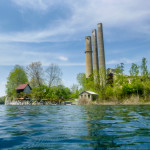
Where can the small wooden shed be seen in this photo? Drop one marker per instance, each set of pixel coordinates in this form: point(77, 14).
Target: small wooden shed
point(89, 95)
point(24, 88)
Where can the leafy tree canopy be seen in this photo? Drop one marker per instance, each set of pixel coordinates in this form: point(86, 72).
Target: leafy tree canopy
point(16, 77)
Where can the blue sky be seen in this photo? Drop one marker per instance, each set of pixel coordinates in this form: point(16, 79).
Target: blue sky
point(53, 31)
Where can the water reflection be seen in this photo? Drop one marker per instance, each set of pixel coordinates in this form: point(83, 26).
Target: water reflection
point(118, 127)
point(74, 127)
point(42, 127)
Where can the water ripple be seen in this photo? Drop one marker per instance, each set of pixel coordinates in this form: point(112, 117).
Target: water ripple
point(74, 127)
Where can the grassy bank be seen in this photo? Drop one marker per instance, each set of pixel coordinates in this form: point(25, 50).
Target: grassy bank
point(133, 100)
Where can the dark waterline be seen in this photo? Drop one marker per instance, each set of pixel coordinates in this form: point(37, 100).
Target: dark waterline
point(74, 127)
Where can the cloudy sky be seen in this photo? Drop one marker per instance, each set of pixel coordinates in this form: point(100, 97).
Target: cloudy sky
point(53, 31)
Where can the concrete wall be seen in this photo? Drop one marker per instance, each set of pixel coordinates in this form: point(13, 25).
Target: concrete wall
point(16, 102)
point(8, 101)
point(86, 96)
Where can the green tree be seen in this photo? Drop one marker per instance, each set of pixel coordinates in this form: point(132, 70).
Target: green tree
point(60, 93)
point(134, 70)
point(134, 77)
point(75, 91)
point(35, 74)
point(144, 70)
point(16, 77)
point(144, 75)
point(53, 75)
point(39, 92)
point(81, 78)
point(119, 78)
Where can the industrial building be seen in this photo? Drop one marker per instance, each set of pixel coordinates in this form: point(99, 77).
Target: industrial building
point(95, 59)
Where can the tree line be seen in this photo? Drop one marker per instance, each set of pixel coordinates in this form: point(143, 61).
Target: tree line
point(120, 86)
point(45, 83)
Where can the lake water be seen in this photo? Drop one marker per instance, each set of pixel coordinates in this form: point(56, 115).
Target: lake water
point(74, 127)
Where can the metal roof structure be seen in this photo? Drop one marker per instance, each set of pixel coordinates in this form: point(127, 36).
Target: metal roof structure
point(89, 92)
point(22, 86)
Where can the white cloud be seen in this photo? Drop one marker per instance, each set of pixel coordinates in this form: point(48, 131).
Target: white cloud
point(62, 58)
point(122, 60)
point(11, 55)
point(132, 16)
point(72, 64)
point(35, 4)
point(57, 33)
point(22, 55)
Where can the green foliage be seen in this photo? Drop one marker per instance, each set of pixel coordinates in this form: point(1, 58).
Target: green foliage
point(144, 70)
point(81, 78)
point(2, 100)
point(89, 84)
point(75, 91)
point(16, 77)
point(128, 89)
point(134, 70)
point(145, 78)
point(119, 69)
point(57, 93)
point(123, 86)
point(109, 93)
point(39, 90)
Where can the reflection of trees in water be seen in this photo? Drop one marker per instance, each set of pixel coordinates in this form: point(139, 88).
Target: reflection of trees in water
point(96, 127)
point(108, 126)
point(113, 126)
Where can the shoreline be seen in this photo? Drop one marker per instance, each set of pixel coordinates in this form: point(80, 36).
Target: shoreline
point(133, 100)
point(100, 104)
point(123, 104)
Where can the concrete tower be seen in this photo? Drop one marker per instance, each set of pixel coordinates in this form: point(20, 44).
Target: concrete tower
point(95, 50)
point(101, 47)
point(102, 67)
point(88, 53)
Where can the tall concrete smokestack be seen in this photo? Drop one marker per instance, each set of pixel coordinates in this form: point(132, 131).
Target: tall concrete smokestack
point(95, 51)
point(101, 47)
point(88, 53)
point(101, 55)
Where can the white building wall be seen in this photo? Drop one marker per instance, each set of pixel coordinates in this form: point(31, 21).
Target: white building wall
point(86, 96)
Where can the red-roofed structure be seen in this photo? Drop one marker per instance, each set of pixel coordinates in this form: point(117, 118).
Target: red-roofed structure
point(24, 88)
